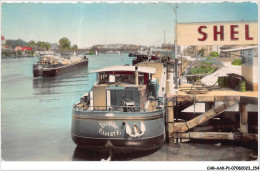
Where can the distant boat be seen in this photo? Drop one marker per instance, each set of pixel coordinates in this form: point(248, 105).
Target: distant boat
point(96, 53)
point(131, 54)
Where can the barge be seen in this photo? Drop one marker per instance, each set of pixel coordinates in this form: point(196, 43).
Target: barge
point(53, 65)
point(142, 57)
point(124, 109)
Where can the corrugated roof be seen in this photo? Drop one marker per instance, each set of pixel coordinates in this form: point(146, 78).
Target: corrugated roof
point(126, 68)
point(239, 49)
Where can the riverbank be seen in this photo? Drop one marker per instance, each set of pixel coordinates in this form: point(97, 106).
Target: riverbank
point(18, 56)
point(17, 53)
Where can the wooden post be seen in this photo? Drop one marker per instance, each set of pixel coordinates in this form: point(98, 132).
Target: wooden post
point(169, 108)
point(243, 118)
point(170, 116)
point(176, 72)
point(180, 71)
point(205, 135)
point(136, 75)
point(208, 106)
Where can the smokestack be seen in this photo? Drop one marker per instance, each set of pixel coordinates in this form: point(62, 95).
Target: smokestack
point(136, 75)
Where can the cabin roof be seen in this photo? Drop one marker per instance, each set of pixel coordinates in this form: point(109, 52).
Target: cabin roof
point(117, 68)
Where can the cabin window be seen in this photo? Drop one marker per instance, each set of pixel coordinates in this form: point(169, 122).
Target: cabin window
point(119, 95)
point(247, 57)
point(123, 77)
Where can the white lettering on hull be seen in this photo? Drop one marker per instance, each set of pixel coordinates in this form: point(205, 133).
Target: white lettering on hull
point(105, 129)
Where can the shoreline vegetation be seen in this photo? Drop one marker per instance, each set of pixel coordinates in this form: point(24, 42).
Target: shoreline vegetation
point(20, 48)
point(11, 53)
point(206, 66)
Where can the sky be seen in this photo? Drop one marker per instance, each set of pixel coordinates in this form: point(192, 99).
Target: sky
point(87, 24)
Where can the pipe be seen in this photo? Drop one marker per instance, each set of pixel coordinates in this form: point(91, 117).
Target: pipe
point(205, 135)
point(136, 75)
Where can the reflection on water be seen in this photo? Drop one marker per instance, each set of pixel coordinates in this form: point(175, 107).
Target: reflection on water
point(186, 151)
point(52, 85)
point(81, 154)
point(36, 112)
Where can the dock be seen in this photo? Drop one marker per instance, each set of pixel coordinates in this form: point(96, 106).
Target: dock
point(217, 101)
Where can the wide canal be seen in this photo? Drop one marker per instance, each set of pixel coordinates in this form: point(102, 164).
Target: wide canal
point(36, 118)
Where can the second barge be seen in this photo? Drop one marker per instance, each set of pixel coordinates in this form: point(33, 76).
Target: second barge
point(53, 65)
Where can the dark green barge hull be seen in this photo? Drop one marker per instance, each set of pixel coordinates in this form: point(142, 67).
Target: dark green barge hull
point(118, 130)
point(51, 72)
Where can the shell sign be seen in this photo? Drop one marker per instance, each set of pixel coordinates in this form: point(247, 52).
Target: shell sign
point(217, 33)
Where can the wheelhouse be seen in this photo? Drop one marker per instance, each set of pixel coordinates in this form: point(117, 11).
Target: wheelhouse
point(122, 88)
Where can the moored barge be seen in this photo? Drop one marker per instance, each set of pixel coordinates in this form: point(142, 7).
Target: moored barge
point(123, 110)
point(53, 65)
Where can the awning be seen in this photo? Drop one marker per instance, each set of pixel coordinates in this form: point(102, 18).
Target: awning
point(118, 68)
point(239, 49)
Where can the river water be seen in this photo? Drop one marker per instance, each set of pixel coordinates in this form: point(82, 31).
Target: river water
point(36, 117)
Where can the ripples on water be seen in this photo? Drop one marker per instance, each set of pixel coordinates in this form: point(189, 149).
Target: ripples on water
point(36, 116)
point(36, 112)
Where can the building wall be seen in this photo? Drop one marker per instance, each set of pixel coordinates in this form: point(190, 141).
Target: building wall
point(255, 70)
point(99, 96)
point(249, 68)
point(247, 73)
point(18, 48)
point(158, 66)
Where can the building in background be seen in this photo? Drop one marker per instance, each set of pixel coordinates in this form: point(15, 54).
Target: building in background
point(249, 66)
point(18, 48)
point(168, 47)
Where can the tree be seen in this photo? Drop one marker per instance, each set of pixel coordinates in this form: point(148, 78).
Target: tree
point(214, 54)
point(29, 52)
point(64, 43)
point(19, 53)
point(14, 43)
point(47, 45)
point(40, 45)
point(8, 52)
point(74, 47)
point(32, 44)
point(43, 45)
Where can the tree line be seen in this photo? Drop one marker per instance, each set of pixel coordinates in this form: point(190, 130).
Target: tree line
point(64, 44)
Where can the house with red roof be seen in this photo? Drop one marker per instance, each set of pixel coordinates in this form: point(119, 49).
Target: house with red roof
point(26, 48)
point(18, 48)
point(22, 48)
point(2, 40)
